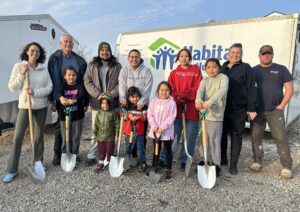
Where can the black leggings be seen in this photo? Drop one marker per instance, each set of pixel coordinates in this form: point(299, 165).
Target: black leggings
point(168, 149)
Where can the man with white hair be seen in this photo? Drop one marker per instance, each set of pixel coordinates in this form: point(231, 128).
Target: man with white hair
point(57, 63)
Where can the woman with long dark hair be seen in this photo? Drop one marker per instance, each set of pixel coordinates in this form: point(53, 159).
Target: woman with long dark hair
point(184, 81)
point(32, 56)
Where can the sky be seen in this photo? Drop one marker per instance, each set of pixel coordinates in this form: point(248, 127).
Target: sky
point(93, 21)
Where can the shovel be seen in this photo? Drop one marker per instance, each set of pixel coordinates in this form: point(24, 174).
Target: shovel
point(116, 164)
point(189, 159)
point(128, 157)
point(35, 172)
point(154, 176)
point(206, 173)
point(68, 160)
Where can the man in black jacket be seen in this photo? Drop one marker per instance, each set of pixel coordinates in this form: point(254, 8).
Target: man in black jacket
point(241, 103)
point(57, 63)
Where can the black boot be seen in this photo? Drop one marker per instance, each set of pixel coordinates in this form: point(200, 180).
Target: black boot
point(56, 160)
point(224, 162)
point(169, 175)
point(233, 168)
point(218, 170)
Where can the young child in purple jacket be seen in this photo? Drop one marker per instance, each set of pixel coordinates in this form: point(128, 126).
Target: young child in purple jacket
point(161, 117)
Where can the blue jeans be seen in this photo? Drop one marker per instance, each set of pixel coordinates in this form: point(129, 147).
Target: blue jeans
point(138, 142)
point(192, 128)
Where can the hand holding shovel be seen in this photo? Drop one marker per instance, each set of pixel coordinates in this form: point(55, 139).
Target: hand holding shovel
point(206, 173)
point(35, 172)
point(68, 160)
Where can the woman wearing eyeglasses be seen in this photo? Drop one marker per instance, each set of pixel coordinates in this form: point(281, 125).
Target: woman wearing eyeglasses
point(33, 57)
point(241, 102)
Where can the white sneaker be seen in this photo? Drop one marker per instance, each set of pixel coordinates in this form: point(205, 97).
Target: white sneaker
point(256, 167)
point(286, 173)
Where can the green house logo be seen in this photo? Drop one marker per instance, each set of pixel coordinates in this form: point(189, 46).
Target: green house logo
point(164, 53)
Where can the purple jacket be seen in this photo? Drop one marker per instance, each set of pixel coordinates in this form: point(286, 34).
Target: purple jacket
point(162, 113)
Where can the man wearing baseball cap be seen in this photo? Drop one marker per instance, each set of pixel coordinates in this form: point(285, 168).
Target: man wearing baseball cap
point(271, 78)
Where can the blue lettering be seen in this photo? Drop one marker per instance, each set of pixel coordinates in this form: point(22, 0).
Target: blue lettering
point(165, 56)
point(226, 54)
point(196, 54)
point(205, 53)
point(219, 50)
point(213, 54)
point(190, 48)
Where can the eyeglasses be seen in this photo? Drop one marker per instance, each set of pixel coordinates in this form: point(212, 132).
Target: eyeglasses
point(134, 57)
point(68, 42)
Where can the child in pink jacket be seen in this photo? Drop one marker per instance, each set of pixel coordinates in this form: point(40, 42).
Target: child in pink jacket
point(161, 117)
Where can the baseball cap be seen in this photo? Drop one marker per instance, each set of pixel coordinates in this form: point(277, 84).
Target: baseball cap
point(266, 49)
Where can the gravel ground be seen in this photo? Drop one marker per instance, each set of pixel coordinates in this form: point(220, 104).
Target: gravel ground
point(82, 190)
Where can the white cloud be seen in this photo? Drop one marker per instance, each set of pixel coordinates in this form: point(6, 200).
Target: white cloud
point(59, 8)
point(67, 9)
point(107, 27)
point(91, 21)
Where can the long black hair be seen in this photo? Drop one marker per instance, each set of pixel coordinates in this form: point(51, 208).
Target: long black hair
point(42, 57)
point(187, 51)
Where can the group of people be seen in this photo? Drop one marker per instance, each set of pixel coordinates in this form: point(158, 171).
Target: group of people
point(231, 94)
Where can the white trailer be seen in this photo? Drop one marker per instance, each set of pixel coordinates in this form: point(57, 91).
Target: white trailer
point(16, 32)
point(213, 39)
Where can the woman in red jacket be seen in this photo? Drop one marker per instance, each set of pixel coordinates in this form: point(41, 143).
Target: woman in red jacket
point(185, 80)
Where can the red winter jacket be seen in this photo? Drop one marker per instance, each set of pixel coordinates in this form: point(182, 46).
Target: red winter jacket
point(185, 83)
point(140, 123)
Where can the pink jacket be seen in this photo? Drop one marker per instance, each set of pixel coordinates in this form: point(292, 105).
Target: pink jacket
point(162, 113)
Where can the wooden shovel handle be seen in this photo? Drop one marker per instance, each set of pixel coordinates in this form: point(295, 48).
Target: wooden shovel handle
point(67, 130)
point(156, 148)
point(121, 128)
point(132, 132)
point(184, 126)
point(204, 137)
point(27, 80)
point(131, 137)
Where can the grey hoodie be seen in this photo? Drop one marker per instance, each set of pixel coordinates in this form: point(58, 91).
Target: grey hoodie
point(141, 78)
